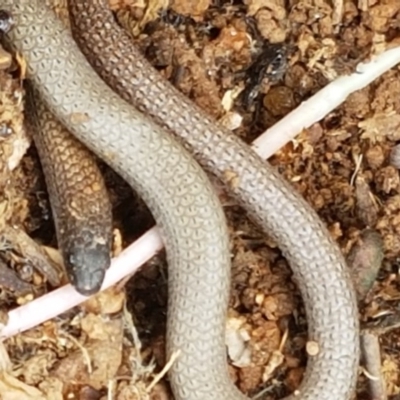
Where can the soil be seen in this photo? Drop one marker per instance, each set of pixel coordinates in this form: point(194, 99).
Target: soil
point(257, 59)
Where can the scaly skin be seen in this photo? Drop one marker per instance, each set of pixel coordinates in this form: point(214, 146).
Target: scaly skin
point(198, 285)
point(173, 185)
point(78, 196)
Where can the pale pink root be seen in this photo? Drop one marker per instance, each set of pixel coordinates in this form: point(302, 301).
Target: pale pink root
point(60, 300)
point(322, 103)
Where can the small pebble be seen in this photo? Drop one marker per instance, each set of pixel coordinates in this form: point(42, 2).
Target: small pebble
point(279, 100)
point(312, 348)
point(375, 157)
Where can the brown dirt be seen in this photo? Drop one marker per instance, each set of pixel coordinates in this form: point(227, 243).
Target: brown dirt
point(342, 166)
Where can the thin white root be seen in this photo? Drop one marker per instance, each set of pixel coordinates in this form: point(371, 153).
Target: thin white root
point(163, 372)
point(60, 300)
point(318, 106)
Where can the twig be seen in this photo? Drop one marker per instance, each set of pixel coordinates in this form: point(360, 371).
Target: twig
point(358, 161)
point(337, 11)
point(386, 323)
point(22, 243)
point(372, 361)
point(163, 372)
point(10, 280)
